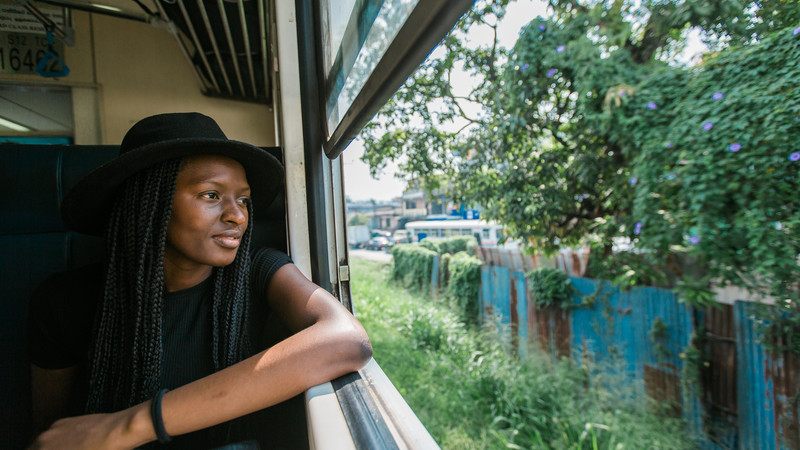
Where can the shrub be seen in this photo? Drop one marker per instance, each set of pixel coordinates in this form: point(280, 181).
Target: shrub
point(412, 266)
point(550, 287)
point(464, 283)
point(430, 244)
point(455, 244)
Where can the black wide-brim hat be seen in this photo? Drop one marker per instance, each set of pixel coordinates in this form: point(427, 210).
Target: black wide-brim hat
point(156, 139)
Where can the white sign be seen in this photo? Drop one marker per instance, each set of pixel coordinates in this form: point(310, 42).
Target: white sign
point(14, 18)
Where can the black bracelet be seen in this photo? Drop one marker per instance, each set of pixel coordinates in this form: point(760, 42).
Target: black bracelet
point(158, 421)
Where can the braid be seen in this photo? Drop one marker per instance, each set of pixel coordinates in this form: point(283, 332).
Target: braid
point(127, 352)
point(231, 305)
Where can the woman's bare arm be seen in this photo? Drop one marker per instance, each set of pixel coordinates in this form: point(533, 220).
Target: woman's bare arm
point(330, 342)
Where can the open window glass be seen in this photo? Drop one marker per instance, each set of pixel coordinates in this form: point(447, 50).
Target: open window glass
point(367, 50)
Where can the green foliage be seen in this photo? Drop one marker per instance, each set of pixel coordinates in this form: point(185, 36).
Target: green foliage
point(591, 132)
point(460, 272)
point(470, 394)
point(628, 269)
point(464, 283)
point(358, 219)
point(695, 361)
point(412, 265)
point(455, 244)
point(696, 293)
point(431, 244)
point(451, 245)
point(725, 195)
point(551, 287)
point(658, 334)
point(780, 326)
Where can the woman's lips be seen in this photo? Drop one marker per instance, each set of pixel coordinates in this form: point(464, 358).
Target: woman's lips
point(228, 240)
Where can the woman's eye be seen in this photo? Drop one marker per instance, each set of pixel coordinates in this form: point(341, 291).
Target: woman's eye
point(210, 195)
point(244, 200)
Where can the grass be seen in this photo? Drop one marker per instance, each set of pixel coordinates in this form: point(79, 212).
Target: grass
point(471, 394)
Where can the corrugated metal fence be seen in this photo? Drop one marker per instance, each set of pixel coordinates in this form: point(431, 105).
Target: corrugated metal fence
point(745, 398)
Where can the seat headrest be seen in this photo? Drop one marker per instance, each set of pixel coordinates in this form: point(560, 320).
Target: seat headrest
point(34, 179)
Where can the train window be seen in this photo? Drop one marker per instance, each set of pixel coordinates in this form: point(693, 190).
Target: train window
point(367, 50)
point(355, 35)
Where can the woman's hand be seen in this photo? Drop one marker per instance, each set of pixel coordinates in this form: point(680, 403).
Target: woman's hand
point(125, 429)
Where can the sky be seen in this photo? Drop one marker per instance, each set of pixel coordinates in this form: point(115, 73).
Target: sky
point(359, 185)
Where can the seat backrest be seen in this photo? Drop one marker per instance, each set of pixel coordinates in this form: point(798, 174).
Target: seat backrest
point(35, 244)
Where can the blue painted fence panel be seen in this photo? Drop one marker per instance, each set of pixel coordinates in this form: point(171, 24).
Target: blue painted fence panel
point(518, 278)
point(756, 405)
point(603, 331)
point(618, 329)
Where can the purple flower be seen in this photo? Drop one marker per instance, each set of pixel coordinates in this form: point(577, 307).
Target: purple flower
point(670, 176)
point(623, 92)
point(694, 239)
point(551, 72)
point(560, 48)
point(735, 147)
point(524, 66)
point(633, 181)
point(638, 228)
point(718, 96)
point(542, 27)
point(708, 125)
point(669, 144)
point(794, 156)
point(796, 31)
point(652, 105)
point(778, 226)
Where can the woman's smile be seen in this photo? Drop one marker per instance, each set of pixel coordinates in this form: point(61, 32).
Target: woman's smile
point(229, 239)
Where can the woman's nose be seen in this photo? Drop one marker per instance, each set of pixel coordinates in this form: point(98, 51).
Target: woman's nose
point(234, 212)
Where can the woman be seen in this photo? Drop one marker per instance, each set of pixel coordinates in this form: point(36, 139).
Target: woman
point(178, 301)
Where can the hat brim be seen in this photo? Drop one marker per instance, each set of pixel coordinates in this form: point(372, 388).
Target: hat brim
point(87, 206)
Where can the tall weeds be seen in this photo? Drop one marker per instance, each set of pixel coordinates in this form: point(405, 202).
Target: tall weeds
point(471, 394)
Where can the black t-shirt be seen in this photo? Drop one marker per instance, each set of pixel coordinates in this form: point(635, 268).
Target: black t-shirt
point(62, 312)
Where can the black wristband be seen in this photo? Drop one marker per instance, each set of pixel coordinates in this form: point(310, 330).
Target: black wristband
point(158, 421)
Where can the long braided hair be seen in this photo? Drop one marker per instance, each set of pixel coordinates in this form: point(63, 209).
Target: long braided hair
point(126, 357)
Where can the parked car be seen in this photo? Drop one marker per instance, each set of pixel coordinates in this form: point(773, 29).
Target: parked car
point(379, 243)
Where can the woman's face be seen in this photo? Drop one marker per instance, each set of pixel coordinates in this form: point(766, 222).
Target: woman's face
point(209, 214)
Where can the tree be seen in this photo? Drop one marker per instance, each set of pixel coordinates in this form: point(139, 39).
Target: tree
point(588, 132)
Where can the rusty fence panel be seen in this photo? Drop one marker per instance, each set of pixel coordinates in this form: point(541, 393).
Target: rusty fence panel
point(769, 391)
point(745, 397)
point(573, 262)
point(495, 300)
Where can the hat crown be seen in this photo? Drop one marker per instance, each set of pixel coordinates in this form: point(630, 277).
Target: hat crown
point(170, 127)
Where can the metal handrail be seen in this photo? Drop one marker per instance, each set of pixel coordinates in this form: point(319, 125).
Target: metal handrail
point(196, 42)
point(225, 25)
point(214, 46)
point(246, 38)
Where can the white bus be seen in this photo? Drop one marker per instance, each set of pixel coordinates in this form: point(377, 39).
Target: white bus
point(487, 233)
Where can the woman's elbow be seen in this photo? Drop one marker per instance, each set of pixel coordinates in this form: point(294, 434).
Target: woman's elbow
point(364, 351)
point(356, 350)
point(360, 349)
